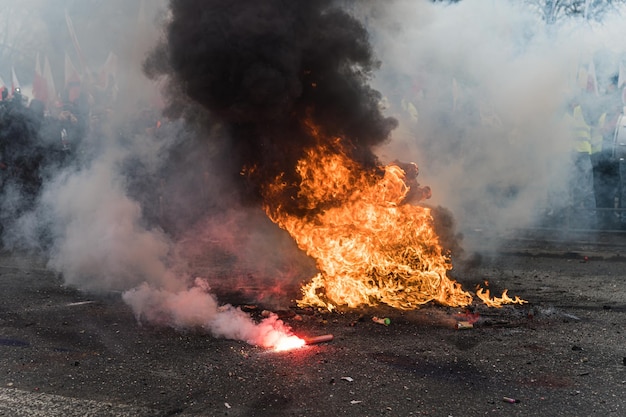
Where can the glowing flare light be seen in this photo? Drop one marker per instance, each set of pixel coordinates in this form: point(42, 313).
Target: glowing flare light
point(288, 342)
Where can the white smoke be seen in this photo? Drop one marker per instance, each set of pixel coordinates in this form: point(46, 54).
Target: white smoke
point(91, 218)
point(196, 307)
point(480, 87)
point(101, 243)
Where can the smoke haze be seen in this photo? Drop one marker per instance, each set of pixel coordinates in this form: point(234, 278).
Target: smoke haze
point(121, 215)
point(480, 89)
point(473, 92)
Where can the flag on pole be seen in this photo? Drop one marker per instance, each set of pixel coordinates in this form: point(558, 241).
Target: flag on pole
point(592, 79)
point(79, 52)
point(40, 90)
point(49, 79)
point(15, 83)
point(108, 72)
point(71, 73)
point(3, 87)
point(72, 80)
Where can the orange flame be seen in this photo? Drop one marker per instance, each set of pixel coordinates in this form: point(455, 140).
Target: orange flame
point(498, 301)
point(369, 244)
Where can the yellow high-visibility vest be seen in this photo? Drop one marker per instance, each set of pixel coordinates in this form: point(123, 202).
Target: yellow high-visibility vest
point(580, 130)
point(596, 135)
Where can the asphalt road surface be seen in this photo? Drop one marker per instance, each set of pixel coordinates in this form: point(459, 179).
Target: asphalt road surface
point(67, 353)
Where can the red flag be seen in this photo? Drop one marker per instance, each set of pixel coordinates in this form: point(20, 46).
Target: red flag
point(592, 80)
point(108, 72)
point(72, 80)
point(40, 90)
point(72, 75)
point(49, 79)
point(107, 78)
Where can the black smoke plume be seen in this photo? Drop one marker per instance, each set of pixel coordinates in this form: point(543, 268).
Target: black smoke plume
point(260, 69)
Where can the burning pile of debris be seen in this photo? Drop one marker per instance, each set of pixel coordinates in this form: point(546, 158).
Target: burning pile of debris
point(288, 84)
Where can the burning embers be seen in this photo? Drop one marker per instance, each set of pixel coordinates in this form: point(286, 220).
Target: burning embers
point(370, 244)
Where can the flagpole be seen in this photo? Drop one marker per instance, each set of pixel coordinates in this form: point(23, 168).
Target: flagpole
point(79, 52)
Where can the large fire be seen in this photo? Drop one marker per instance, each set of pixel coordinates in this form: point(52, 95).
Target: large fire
point(375, 247)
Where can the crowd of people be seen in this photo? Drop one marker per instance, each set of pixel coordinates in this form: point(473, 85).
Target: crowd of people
point(39, 140)
point(598, 178)
point(32, 144)
point(588, 130)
